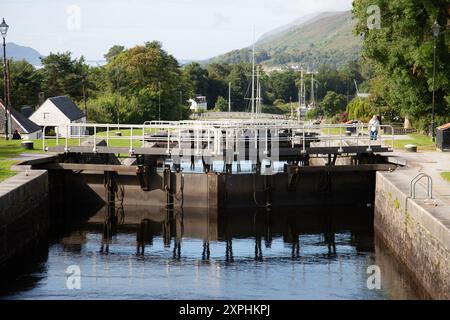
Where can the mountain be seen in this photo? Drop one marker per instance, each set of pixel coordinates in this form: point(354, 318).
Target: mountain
point(292, 25)
point(18, 52)
point(311, 41)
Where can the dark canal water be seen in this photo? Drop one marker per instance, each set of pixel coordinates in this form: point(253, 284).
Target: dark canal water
point(306, 253)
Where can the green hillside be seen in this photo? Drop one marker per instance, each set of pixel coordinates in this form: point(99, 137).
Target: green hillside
point(326, 39)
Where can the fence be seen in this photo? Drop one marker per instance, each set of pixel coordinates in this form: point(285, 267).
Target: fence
point(213, 136)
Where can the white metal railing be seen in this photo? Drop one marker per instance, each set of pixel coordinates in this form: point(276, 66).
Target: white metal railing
point(413, 183)
point(212, 135)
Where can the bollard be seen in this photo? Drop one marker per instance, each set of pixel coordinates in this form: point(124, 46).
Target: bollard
point(411, 148)
point(29, 145)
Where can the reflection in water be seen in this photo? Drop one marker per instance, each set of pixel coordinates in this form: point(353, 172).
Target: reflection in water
point(261, 226)
point(115, 212)
point(232, 254)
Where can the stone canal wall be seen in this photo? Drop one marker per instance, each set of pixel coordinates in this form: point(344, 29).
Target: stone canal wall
point(24, 212)
point(418, 233)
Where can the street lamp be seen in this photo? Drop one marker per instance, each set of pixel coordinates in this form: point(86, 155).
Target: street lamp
point(435, 28)
point(3, 31)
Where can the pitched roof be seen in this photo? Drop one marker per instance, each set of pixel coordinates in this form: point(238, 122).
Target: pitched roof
point(66, 106)
point(27, 125)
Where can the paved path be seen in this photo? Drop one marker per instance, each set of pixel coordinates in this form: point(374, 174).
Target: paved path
point(433, 164)
point(27, 157)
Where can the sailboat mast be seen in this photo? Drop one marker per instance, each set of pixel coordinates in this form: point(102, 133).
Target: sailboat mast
point(302, 85)
point(258, 93)
point(253, 73)
point(260, 96)
point(229, 96)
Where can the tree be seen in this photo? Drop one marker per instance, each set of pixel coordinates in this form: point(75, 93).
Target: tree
point(333, 104)
point(360, 109)
point(198, 76)
point(401, 51)
point(25, 83)
point(113, 52)
point(240, 86)
point(221, 104)
point(283, 85)
point(62, 75)
point(114, 108)
point(151, 76)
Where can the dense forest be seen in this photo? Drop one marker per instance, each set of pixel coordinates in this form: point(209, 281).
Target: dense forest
point(395, 67)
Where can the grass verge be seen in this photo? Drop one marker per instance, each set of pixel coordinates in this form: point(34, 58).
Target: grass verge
point(446, 176)
point(422, 142)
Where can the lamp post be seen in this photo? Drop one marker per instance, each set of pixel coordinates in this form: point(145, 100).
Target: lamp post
point(3, 31)
point(435, 28)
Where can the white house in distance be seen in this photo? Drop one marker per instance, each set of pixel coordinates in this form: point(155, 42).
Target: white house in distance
point(198, 103)
point(28, 129)
point(57, 113)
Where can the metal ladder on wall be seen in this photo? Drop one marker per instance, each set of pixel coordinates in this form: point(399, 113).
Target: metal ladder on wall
point(413, 183)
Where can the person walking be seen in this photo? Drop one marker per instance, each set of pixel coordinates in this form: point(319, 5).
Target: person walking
point(374, 125)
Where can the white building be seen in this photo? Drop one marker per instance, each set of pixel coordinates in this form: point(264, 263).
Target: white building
point(198, 103)
point(28, 129)
point(58, 112)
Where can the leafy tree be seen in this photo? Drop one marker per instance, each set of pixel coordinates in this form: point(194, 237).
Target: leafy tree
point(114, 108)
point(313, 113)
point(62, 75)
point(360, 109)
point(25, 83)
point(283, 86)
point(333, 104)
point(221, 104)
point(402, 55)
point(198, 76)
point(240, 86)
point(153, 77)
point(113, 52)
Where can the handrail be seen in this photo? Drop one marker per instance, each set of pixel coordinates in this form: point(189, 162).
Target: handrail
point(210, 133)
point(413, 183)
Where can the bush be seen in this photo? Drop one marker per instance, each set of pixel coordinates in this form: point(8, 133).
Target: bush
point(271, 109)
point(313, 113)
point(360, 109)
point(278, 102)
point(113, 107)
point(333, 104)
point(221, 104)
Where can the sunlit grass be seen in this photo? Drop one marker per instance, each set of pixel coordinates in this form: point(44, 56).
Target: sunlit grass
point(8, 150)
point(5, 169)
point(446, 176)
point(422, 142)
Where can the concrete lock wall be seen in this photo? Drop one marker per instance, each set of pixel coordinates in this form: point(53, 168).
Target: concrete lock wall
point(24, 212)
point(306, 189)
point(188, 190)
point(412, 232)
point(200, 190)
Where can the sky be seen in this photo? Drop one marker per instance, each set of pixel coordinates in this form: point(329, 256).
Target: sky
point(188, 29)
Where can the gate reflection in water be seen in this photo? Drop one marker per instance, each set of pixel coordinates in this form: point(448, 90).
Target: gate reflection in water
point(154, 253)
